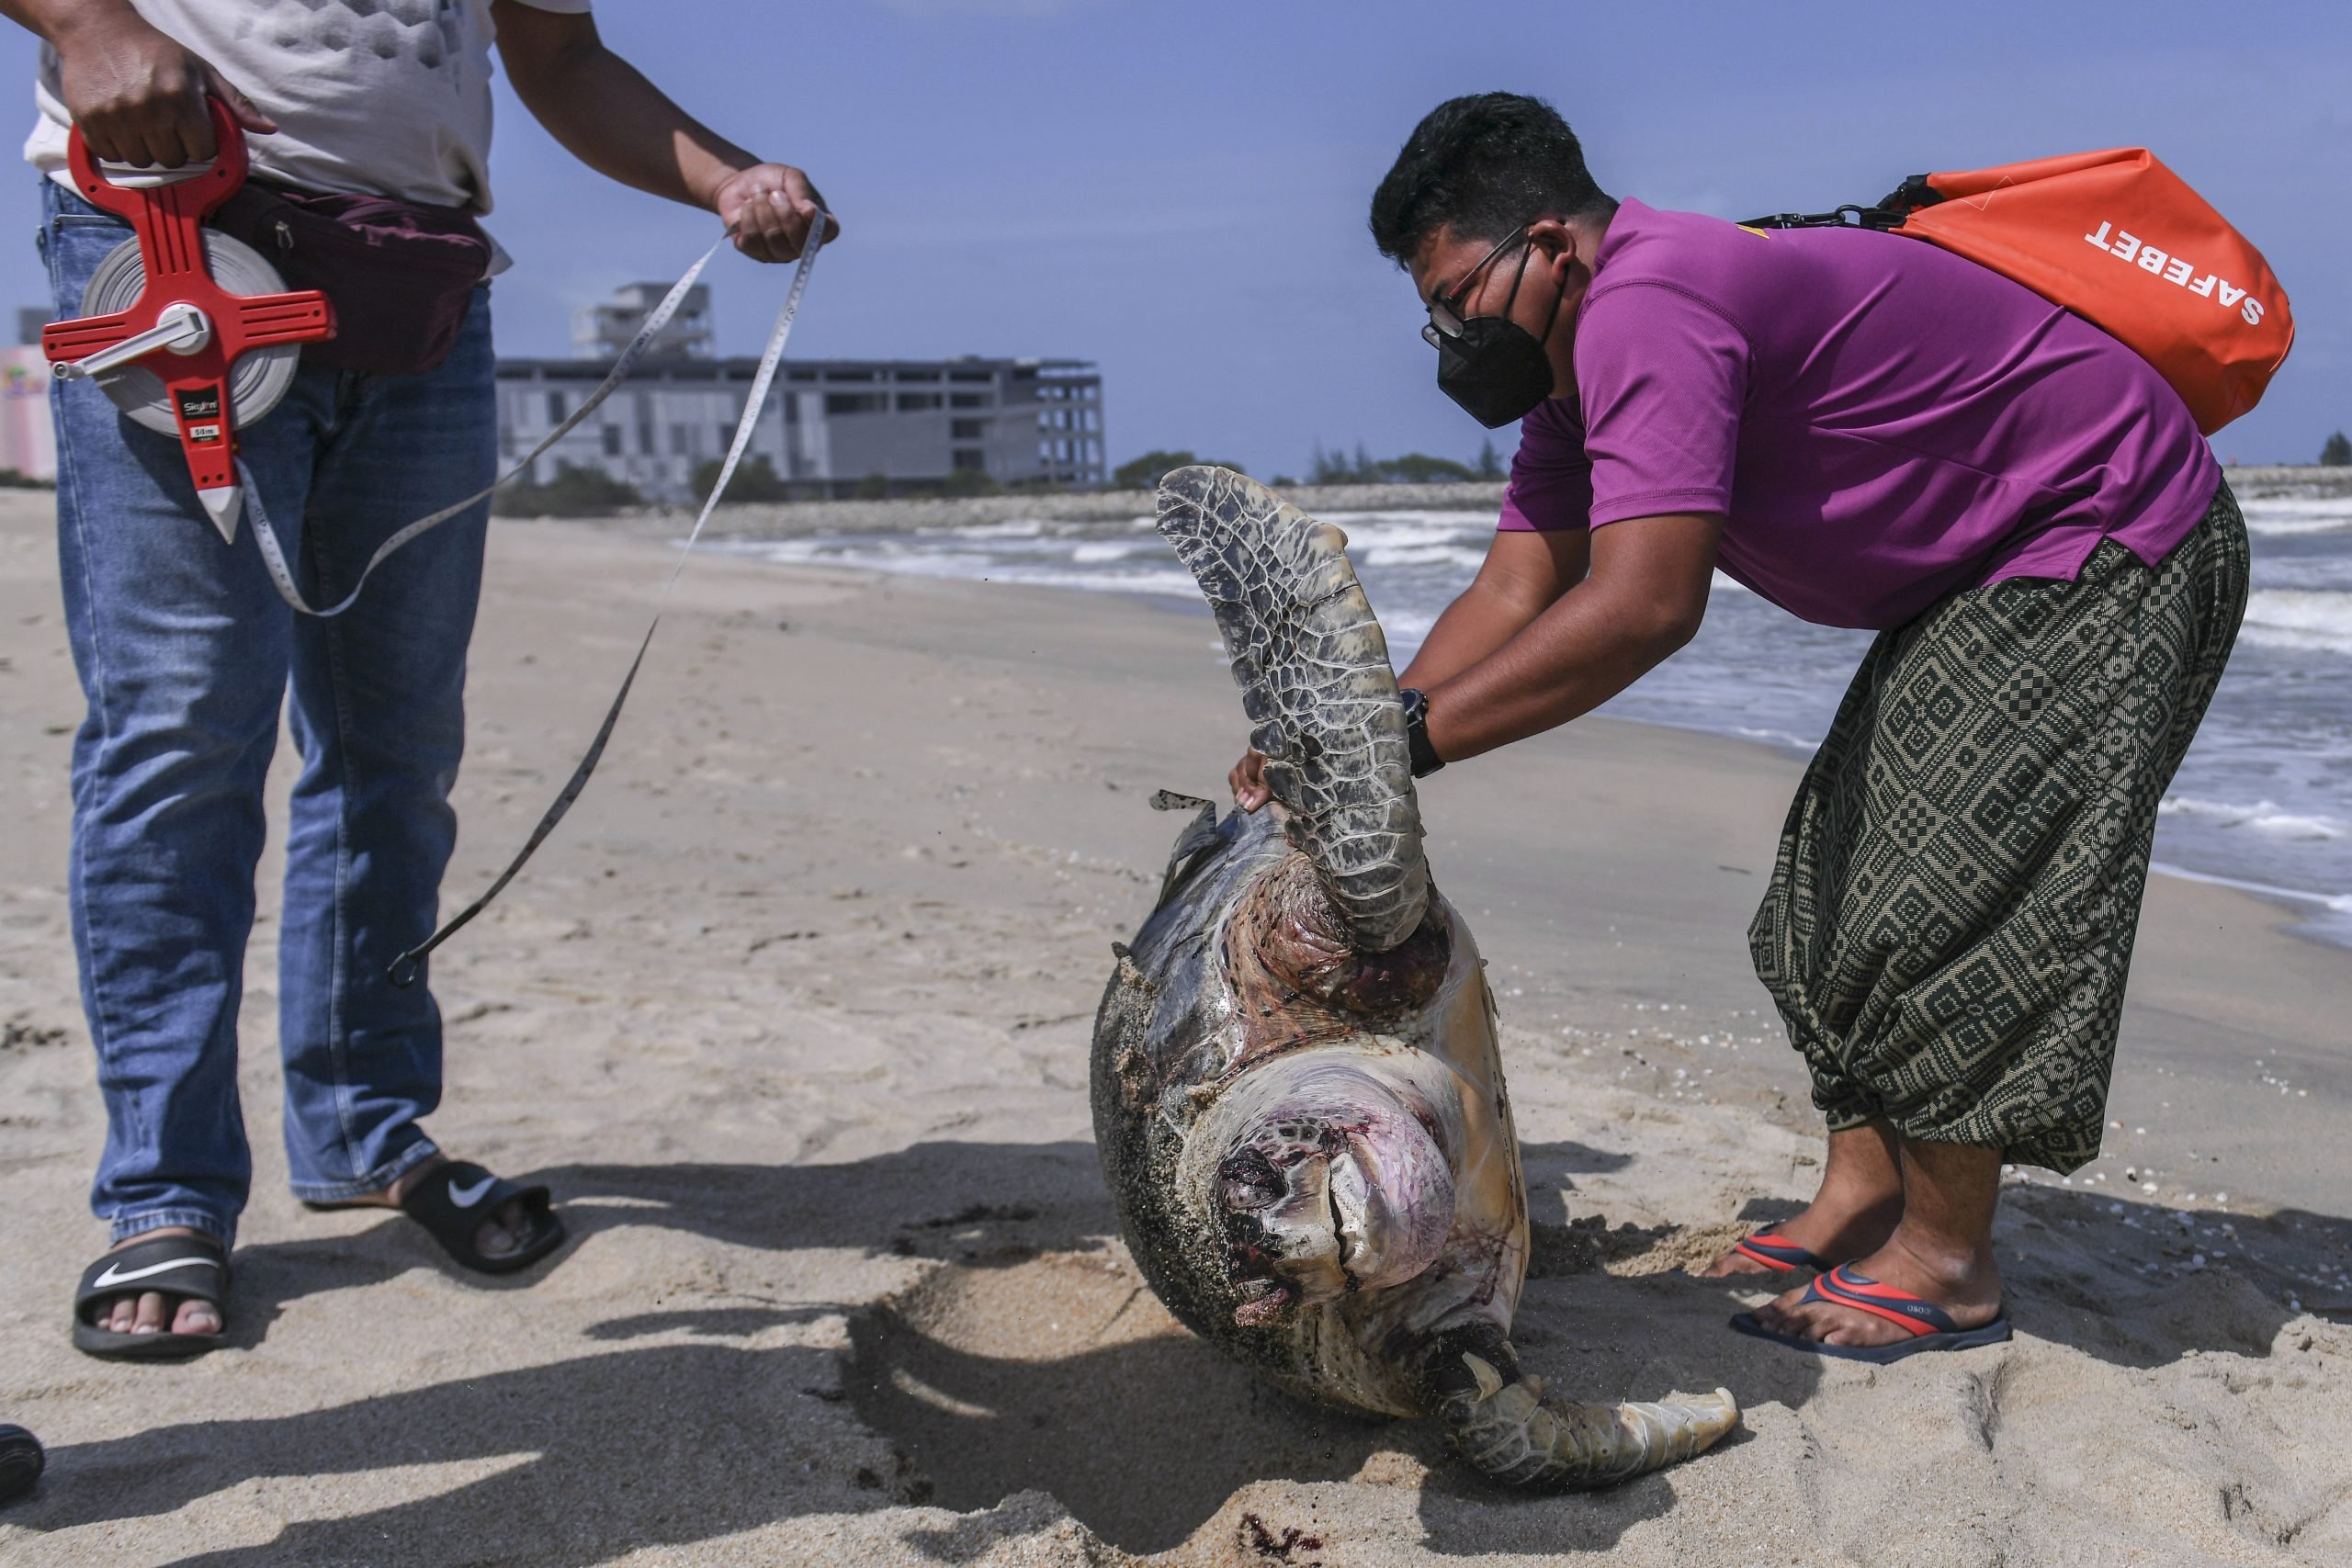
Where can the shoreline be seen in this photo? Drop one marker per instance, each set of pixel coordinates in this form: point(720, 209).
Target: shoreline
point(2320, 918)
point(791, 520)
point(798, 519)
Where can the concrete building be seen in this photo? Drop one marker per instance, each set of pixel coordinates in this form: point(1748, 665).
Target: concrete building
point(832, 428)
point(28, 440)
point(601, 332)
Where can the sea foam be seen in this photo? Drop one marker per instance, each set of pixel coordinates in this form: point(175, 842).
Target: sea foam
point(2263, 816)
point(2299, 617)
point(2298, 515)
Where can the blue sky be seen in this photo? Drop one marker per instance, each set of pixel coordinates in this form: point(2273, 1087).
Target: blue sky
point(1178, 191)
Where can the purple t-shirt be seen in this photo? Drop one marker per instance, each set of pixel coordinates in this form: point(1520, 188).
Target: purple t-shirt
point(1880, 423)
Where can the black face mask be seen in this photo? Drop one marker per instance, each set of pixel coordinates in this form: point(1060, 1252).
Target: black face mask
point(1493, 368)
point(1496, 370)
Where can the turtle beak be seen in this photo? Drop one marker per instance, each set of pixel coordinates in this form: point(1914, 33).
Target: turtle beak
point(1372, 1213)
point(1353, 1205)
point(1394, 1201)
point(1311, 1204)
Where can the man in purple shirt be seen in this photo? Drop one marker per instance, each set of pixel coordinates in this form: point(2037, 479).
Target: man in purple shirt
point(1867, 432)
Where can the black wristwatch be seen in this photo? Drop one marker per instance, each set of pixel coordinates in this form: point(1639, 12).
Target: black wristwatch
point(1417, 733)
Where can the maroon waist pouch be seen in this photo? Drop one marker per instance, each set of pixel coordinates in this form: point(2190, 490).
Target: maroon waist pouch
point(401, 274)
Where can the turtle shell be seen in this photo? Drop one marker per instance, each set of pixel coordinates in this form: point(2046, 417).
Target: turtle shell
point(1200, 1015)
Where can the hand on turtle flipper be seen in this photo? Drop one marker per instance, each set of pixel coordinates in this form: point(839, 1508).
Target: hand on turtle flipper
point(1248, 780)
point(153, 1312)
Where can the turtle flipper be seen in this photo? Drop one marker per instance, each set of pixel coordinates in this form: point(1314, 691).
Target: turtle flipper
point(1316, 682)
point(1514, 1433)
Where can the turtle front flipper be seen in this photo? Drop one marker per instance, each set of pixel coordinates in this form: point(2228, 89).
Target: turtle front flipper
point(1512, 1430)
point(1316, 682)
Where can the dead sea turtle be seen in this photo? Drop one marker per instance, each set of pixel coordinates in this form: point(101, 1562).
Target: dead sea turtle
point(1296, 1091)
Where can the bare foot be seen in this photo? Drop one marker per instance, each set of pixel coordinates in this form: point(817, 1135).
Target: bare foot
point(502, 1231)
point(153, 1312)
point(1859, 1204)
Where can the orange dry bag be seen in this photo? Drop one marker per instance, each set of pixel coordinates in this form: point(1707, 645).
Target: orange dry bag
point(2121, 240)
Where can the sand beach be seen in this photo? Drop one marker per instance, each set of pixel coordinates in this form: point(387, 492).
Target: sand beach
point(793, 1017)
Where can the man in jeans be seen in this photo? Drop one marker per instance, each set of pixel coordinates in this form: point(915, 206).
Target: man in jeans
point(186, 653)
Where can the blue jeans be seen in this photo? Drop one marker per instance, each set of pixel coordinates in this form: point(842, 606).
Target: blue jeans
point(186, 655)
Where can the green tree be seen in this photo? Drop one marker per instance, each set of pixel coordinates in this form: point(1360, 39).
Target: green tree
point(755, 480)
point(1330, 468)
point(873, 486)
point(1146, 471)
point(970, 481)
point(2337, 453)
point(1420, 469)
point(573, 493)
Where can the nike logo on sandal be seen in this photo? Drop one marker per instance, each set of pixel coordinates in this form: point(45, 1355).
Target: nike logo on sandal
point(118, 1275)
point(466, 1197)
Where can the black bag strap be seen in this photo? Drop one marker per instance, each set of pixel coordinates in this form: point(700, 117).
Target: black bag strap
point(1887, 212)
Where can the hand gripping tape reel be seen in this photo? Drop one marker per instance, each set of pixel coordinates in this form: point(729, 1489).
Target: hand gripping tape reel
point(189, 331)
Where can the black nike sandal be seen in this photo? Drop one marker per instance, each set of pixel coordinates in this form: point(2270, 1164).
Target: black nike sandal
point(20, 1463)
point(188, 1267)
point(453, 1200)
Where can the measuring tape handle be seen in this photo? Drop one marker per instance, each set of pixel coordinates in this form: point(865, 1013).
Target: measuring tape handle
point(210, 187)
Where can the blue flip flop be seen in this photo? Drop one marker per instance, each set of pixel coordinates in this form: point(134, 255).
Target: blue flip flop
point(1779, 1254)
point(1930, 1326)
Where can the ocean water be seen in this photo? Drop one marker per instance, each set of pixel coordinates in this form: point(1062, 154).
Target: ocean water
point(2262, 802)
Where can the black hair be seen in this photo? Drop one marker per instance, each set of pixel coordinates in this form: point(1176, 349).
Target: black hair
point(1483, 165)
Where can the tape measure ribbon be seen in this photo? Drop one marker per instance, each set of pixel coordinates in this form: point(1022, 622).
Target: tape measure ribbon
point(407, 968)
point(274, 556)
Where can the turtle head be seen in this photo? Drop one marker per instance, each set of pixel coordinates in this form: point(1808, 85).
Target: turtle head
point(1335, 1187)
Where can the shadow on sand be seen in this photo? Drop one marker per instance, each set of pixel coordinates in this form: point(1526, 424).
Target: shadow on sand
point(1033, 1360)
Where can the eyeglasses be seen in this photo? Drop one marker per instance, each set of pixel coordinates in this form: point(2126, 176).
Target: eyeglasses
point(1445, 310)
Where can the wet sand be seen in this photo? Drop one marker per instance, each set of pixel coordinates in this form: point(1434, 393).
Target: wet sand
point(793, 1016)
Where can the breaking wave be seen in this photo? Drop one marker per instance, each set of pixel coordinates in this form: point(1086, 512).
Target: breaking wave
point(1152, 574)
point(2263, 816)
point(2298, 515)
point(2299, 617)
point(2263, 801)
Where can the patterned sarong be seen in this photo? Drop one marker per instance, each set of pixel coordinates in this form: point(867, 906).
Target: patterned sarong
point(1951, 917)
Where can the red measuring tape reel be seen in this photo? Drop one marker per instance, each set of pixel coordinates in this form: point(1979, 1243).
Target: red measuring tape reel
point(189, 331)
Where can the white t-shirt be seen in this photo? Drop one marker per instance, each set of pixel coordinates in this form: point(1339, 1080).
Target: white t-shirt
point(375, 97)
